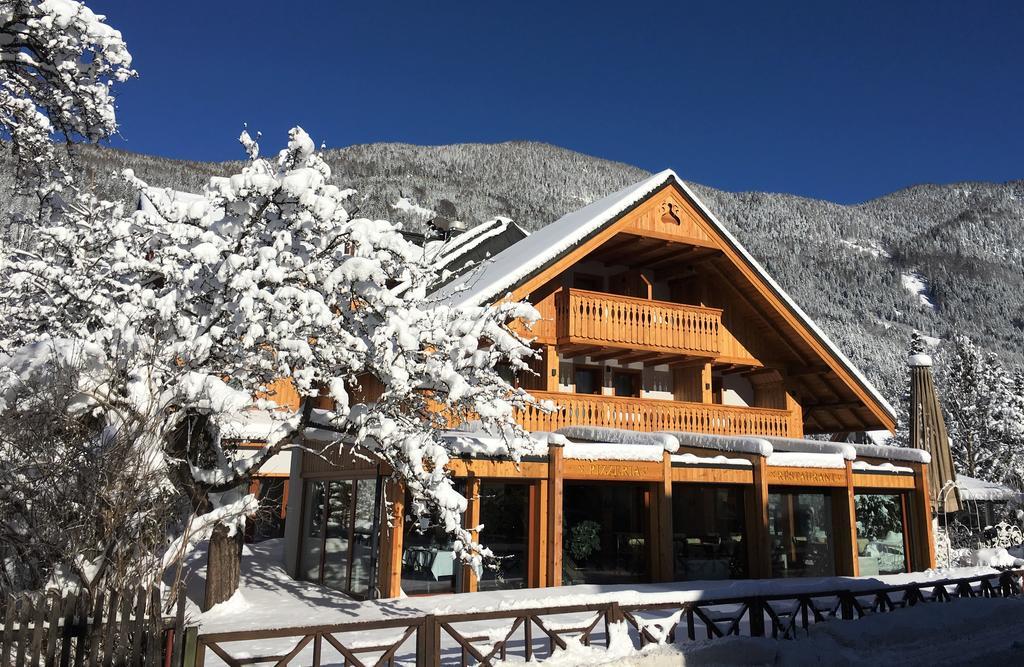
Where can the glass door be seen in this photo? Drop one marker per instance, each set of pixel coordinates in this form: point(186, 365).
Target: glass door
point(339, 534)
point(800, 526)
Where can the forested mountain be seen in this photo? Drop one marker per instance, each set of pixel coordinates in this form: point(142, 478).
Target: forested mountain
point(942, 259)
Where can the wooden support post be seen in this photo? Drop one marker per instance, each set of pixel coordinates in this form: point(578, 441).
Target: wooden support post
point(796, 416)
point(667, 559)
point(844, 527)
point(470, 521)
point(554, 523)
point(551, 368)
point(706, 394)
point(541, 554)
point(758, 542)
point(921, 520)
point(389, 576)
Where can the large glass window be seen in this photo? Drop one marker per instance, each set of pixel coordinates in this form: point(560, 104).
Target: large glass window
point(881, 548)
point(708, 532)
point(604, 535)
point(338, 534)
point(505, 514)
point(362, 536)
point(428, 558)
point(800, 526)
point(313, 511)
point(336, 546)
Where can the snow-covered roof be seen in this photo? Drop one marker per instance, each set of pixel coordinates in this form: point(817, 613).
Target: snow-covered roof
point(517, 263)
point(844, 450)
point(806, 460)
point(972, 488)
point(621, 436)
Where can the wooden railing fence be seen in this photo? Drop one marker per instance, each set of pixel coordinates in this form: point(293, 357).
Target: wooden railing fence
point(533, 634)
point(595, 317)
point(107, 628)
point(640, 414)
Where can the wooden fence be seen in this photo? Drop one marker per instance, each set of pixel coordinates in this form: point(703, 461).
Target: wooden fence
point(534, 634)
point(648, 414)
point(108, 628)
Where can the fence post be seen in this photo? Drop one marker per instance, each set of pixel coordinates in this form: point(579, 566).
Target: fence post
point(756, 611)
point(428, 642)
point(195, 652)
point(846, 605)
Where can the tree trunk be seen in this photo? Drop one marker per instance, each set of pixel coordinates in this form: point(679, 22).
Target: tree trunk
point(223, 565)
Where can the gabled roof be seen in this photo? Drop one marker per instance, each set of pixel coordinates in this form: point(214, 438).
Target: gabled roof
point(517, 264)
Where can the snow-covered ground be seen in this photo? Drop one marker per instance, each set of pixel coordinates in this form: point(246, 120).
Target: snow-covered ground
point(962, 631)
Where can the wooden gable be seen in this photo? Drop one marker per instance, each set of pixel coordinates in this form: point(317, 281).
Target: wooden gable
point(668, 229)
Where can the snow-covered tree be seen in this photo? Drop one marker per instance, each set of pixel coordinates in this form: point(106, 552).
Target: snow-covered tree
point(58, 62)
point(983, 414)
point(196, 304)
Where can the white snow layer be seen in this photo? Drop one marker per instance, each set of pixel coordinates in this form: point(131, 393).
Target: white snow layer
point(724, 443)
point(918, 286)
point(972, 488)
point(813, 446)
point(621, 436)
point(806, 460)
point(919, 361)
point(693, 459)
point(864, 466)
point(407, 205)
point(601, 451)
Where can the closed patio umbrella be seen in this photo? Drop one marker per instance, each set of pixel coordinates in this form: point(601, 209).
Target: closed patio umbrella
point(928, 432)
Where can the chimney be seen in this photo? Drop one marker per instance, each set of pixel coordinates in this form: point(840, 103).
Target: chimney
point(928, 432)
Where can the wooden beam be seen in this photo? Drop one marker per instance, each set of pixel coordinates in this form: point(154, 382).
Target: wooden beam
point(611, 251)
point(806, 371)
point(685, 262)
point(541, 528)
point(554, 527)
point(390, 576)
point(550, 367)
point(783, 338)
point(606, 355)
point(758, 541)
point(649, 258)
point(659, 360)
point(689, 363)
point(844, 523)
point(573, 351)
point(665, 520)
point(921, 520)
point(617, 242)
point(840, 405)
point(471, 519)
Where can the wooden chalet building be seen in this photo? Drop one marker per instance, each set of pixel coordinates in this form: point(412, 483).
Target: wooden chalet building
point(686, 381)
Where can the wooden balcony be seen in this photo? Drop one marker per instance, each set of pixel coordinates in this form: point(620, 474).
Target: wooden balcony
point(638, 414)
point(582, 320)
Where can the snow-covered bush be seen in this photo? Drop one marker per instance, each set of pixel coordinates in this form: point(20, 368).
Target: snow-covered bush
point(197, 303)
point(78, 504)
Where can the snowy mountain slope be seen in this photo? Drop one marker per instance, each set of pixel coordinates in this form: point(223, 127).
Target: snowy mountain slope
point(844, 264)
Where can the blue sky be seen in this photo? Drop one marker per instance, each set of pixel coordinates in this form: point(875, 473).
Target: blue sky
point(840, 100)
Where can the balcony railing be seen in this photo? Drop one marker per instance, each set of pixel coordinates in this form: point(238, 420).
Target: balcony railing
point(596, 318)
point(638, 414)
